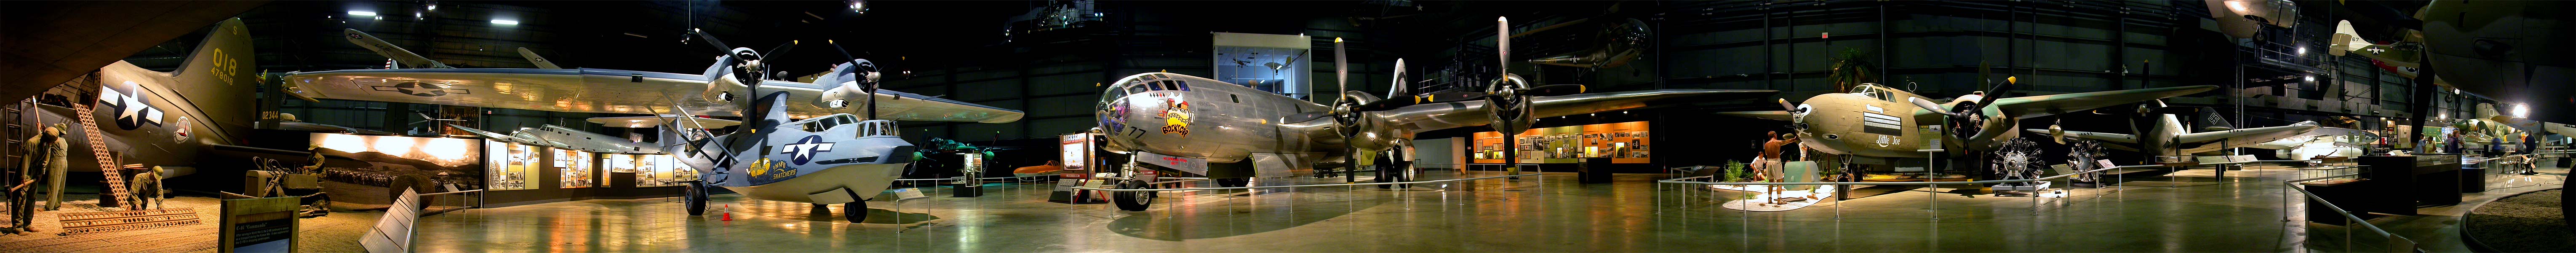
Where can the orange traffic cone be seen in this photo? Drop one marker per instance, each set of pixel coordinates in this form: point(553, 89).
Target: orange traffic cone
point(728, 214)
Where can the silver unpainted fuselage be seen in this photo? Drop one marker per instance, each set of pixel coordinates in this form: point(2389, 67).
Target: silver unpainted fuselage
point(1188, 116)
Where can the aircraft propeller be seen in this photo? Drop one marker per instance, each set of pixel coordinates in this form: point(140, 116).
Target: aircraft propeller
point(1968, 119)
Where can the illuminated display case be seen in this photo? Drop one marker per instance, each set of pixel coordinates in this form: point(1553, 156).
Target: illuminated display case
point(653, 170)
point(576, 167)
point(510, 165)
point(1624, 142)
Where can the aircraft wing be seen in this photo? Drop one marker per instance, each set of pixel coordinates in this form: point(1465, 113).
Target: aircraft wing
point(1769, 115)
point(1472, 113)
point(2110, 137)
point(655, 121)
point(2045, 105)
point(493, 136)
point(606, 91)
point(2250, 136)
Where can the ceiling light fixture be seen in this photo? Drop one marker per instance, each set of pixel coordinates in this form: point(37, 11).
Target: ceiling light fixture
point(505, 22)
point(362, 13)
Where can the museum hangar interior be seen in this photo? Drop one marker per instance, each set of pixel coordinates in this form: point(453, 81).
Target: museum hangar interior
point(1326, 126)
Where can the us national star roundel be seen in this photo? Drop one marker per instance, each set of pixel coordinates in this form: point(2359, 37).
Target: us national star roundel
point(421, 89)
point(803, 150)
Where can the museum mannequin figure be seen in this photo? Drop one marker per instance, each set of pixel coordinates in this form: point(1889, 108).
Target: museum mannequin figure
point(1769, 160)
point(46, 151)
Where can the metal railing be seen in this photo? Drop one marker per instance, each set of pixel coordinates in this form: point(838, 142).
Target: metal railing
point(2034, 201)
point(2348, 216)
point(1310, 185)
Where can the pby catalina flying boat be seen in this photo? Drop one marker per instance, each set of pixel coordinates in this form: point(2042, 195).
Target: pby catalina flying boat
point(169, 120)
point(2168, 136)
point(831, 157)
point(1228, 131)
point(1871, 122)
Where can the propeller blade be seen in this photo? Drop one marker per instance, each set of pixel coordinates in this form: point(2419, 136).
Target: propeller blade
point(1786, 106)
point(1554, 90)
point(1341, 68)
point(836, 46)
point(711, 40)
point(790, 45)
point(1927, 105)
point(1503, 44)
point(1997, 93)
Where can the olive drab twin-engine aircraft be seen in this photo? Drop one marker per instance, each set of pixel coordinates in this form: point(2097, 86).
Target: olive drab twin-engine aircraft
point(175, 121)
point(1875, 121)
point(829, 157)
point(2168, 136)
point(1229, 131)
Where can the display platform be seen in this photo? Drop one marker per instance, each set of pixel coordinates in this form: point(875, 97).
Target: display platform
point(1789, 198)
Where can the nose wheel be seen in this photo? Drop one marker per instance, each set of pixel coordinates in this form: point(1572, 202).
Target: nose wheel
point(856, 211)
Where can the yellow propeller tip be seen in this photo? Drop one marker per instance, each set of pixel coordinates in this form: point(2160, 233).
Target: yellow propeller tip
point(1337, 40)
point(2012, 79)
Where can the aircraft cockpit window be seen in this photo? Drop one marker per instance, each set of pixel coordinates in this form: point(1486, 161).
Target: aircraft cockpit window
point(826, 122)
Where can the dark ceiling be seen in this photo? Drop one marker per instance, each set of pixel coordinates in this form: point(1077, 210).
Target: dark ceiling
point(647, 35)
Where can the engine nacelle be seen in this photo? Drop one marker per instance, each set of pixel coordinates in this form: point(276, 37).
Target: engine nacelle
point(849, 84)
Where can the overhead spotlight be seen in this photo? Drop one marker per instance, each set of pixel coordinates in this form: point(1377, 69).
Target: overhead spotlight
point(505, 22)
point(2311, 78)
point(432, 6)
point(2520, 110)
point(2303, 50)
point(362, 13)
point(416, 15)
point(859, 6)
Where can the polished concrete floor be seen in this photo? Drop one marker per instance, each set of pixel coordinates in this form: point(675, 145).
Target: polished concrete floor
point(2192, 211)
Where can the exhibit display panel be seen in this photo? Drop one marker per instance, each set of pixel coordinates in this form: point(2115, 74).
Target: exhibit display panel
point(446, 161)
point(1623, 142)
point(576, 167)
point(512, 164)
point(660, 170)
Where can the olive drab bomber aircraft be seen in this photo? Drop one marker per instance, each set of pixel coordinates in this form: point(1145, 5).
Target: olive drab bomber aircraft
point(829, 157)
point(1229, 131)
point(1875, 121)
point(170, 121)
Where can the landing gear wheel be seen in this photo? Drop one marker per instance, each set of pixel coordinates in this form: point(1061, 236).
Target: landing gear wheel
point(856, 211)
point(1134, 201)
point(695, 194)
point(417, 183)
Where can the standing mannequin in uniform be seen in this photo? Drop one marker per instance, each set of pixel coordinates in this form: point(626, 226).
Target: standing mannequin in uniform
point(46, 151)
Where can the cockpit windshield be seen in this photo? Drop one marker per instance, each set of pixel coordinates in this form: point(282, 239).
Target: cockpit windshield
point(826, 122)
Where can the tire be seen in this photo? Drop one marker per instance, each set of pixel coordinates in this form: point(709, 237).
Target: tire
point(856, 211)
point(695, 195)
point(417, 183)
point(1133, 201)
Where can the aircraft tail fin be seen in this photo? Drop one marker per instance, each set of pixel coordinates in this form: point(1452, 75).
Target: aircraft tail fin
point(2211, 121)
point(219, 79)
point(405, 57)
point(539, 60)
